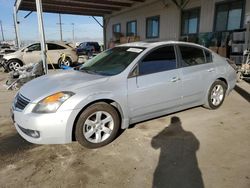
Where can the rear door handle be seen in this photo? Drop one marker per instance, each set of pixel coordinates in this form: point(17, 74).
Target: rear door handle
point(211, 70)
point(175, 79)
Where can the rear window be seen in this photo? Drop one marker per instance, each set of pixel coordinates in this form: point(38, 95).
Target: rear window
point(192, 55)
point(52, 46)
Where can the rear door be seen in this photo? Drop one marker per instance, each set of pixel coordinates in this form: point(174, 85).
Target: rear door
point(54, 52)
point(157, 84)
point(197, 73)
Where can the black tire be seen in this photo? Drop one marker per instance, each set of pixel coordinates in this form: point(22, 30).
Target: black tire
point(210, 103)
point(86, 114)
point(13, 64)
point(67, 59)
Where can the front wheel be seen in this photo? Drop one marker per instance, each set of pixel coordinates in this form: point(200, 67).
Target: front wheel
point(97, 125)
point(13, 65)
point(216, 95)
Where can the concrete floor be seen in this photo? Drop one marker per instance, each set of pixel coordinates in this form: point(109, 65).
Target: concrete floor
point(193, 148)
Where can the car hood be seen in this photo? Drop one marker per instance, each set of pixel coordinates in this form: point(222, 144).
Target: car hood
point(72, 80)
point(12, 55)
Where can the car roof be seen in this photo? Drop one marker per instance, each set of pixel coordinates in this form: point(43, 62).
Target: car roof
point(155, 44)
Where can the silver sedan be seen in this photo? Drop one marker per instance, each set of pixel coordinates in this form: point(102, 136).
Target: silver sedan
point(124, 85)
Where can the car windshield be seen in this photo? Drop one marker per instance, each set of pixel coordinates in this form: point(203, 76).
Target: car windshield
point(112, 61)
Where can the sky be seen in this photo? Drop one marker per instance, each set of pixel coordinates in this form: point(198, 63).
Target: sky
point(86, 27)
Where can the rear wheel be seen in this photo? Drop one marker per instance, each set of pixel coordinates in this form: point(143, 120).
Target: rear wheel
point(216, 95)
point(97, 125)
point(66, 62)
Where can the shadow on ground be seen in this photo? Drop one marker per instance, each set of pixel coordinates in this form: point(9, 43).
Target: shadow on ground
point(14, 144)
point(242, 92)
point(178, 165)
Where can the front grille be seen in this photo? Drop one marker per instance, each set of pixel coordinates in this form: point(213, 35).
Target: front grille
point(21, 102)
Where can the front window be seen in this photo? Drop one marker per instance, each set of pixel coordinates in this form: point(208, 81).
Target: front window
point(112, 61)
point(228, 15)
point(131, 28)
point(190, 21)
point(152, 27)
point(34, 47)
point(161, 59)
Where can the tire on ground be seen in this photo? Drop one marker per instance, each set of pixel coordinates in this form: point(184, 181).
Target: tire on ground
point(100, 106)
point(209, 103)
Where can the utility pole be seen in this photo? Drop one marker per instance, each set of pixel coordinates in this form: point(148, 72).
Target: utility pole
point(2, 30)
point(60, 25)
point(17, 27)
point(73, 32)
point(15, 31)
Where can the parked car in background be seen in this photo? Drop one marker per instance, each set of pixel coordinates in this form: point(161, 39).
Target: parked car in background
point(121, 86)
point(6, 51)
point(87, 48)
point(5, 46)
point(32, 54)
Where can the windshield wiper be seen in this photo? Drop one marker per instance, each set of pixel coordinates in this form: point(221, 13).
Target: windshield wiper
point(88, 71)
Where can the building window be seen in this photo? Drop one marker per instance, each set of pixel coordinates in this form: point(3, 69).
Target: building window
point(152, 27)
point(229, 15)
point(117, 28)
point(190, 21)
point(132, 28)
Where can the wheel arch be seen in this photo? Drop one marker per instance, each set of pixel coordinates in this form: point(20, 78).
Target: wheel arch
point(223, 80)
point(15, 59)
point(113, 103)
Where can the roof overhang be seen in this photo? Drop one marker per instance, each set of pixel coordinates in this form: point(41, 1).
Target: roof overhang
point(77, 7)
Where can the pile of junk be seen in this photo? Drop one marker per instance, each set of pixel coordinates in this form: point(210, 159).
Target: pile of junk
point(24, 74)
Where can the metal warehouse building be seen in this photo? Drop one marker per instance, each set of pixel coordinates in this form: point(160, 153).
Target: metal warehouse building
point(156, 20)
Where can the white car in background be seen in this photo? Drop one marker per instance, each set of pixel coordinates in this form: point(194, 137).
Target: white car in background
point(32, 54)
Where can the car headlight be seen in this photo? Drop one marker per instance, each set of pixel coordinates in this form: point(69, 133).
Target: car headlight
point(51, 103)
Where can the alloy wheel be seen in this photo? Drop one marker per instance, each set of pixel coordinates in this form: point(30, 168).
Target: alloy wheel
point(14, 65)
point(98, 127)
point(217, 95)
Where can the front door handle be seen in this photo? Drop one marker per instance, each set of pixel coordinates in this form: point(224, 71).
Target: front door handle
point(175, 79)
point(211, 70)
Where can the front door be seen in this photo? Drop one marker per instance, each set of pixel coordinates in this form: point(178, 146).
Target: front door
point(32, 54)
point(157, 85)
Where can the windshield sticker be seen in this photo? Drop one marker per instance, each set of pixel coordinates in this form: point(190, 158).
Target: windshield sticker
point(136, 50)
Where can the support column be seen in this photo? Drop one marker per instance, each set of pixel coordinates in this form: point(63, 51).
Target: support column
point(42, 35)
point(16, 23)
point(104, 33)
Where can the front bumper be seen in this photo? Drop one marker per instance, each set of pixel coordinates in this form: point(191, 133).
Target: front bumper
point(3, 63)
point(52, 128)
